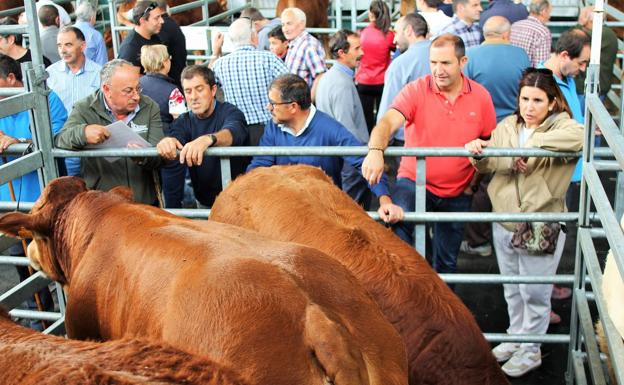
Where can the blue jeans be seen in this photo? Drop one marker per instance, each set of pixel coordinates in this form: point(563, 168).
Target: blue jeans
point(354, 184)
point(443, 248)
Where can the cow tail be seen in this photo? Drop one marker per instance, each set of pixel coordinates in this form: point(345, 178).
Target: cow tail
point(332, 349)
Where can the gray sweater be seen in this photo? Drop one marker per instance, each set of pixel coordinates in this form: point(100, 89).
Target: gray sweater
point(337, 96)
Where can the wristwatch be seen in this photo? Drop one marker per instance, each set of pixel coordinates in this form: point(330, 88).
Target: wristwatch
point(213, 137)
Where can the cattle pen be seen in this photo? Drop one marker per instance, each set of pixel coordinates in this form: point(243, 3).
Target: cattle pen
point(596, 218)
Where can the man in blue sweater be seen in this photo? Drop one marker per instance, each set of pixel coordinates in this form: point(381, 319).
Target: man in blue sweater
point(208, 123)
point(296, 122)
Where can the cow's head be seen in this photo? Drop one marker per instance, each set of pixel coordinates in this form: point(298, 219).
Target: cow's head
point(39, 224)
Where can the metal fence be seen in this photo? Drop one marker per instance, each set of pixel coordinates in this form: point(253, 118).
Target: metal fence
point(584, 357)
point(583, 353)
point(33, 98)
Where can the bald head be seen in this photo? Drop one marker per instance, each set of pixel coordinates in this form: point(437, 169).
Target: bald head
point(497, 27)
point(586, 17)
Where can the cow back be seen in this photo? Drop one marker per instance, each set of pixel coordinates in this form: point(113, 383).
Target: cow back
point(218, 290)
point(316, 11)
point(301, 204)
point(32, 358)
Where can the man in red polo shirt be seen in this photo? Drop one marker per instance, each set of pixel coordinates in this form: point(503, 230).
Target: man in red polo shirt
point(443, 109)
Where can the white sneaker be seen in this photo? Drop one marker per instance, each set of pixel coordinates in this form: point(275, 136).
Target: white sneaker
point(504, 351)
point(522, 362)
point(484, 250)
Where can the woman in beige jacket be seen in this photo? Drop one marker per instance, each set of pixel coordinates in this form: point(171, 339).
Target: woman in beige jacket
point(523, 184)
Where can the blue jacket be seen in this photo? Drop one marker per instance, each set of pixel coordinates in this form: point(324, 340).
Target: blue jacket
point(18, 126)
point(322, 131)
point(206, 179)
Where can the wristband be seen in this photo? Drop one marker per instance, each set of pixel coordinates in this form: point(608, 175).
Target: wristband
point(376, 149)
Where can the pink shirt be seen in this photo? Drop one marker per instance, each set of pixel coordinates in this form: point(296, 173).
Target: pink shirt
point(376, 58)
point(433, 121)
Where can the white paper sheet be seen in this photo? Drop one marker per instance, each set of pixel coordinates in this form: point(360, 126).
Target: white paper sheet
point(121, 135)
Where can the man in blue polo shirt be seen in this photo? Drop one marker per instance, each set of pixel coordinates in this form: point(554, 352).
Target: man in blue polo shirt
point(571, 56)
point(296, 122)
point(16, 129)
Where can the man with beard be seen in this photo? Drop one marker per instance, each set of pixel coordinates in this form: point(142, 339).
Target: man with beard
point(296, 122)
point(149, 21)
point(337, 96)
point(411, 39)
point(438, 110)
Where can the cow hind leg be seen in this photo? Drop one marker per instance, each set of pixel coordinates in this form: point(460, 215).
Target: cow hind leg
point(338, 357)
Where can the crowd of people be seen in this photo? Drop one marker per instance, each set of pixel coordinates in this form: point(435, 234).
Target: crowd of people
point(476, 79)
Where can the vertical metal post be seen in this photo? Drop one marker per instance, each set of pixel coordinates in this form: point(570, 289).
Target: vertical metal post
point(338, 4)
point(40, 122)
point(205, 13)
point(354, 15)
point(580, 272)
point(112, 10)
point(33, 33)
point(34, 81)
point(420, 229)
point(226, 172)
point(619, 187)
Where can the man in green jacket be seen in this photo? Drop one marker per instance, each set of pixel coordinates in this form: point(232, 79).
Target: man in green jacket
point(118, 99)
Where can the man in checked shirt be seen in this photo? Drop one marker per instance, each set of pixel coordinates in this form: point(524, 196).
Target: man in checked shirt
point(305, 56)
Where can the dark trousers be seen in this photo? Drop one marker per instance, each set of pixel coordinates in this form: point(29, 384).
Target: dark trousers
point(354, 184)
point(44, 294)
point(255, 132)
point(370, 96)
point(480, 233)
point(443, 248)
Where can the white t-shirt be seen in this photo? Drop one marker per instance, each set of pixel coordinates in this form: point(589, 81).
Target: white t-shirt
point(524, 134)
point(436, 22)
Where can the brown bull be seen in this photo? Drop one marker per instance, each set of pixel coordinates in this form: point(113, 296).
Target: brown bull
point(316, 11)
point(32, 358)
point(282, 314)
point(301, 204)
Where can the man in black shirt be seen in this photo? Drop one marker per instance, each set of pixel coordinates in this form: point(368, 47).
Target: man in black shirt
point(11, 45)
point(171, 35)
point(149, 20)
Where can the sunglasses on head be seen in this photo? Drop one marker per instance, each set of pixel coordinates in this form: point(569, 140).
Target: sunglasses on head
point(149, 8)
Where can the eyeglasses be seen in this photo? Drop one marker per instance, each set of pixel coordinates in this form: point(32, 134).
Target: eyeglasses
point(544, 71)
point(273, 104)
point(129, 91)
point(149, 8)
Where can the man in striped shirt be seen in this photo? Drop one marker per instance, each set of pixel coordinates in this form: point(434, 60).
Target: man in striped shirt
point(305, 56)
point(531, 34)
point(245, 76)
point(465, 22)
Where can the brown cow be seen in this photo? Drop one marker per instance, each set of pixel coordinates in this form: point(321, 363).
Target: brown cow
point(182, 18)
point(301, 204)
point(281, 313)
point(316, 11)
point(32, 358)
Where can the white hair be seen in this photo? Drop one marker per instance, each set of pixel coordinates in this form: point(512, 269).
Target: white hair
point(296, 12)
point(241, 32)
point(85, 11)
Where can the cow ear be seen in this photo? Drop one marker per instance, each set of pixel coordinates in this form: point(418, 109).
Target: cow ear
point(20, 225)
point(124, 192)
point(60, 191)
